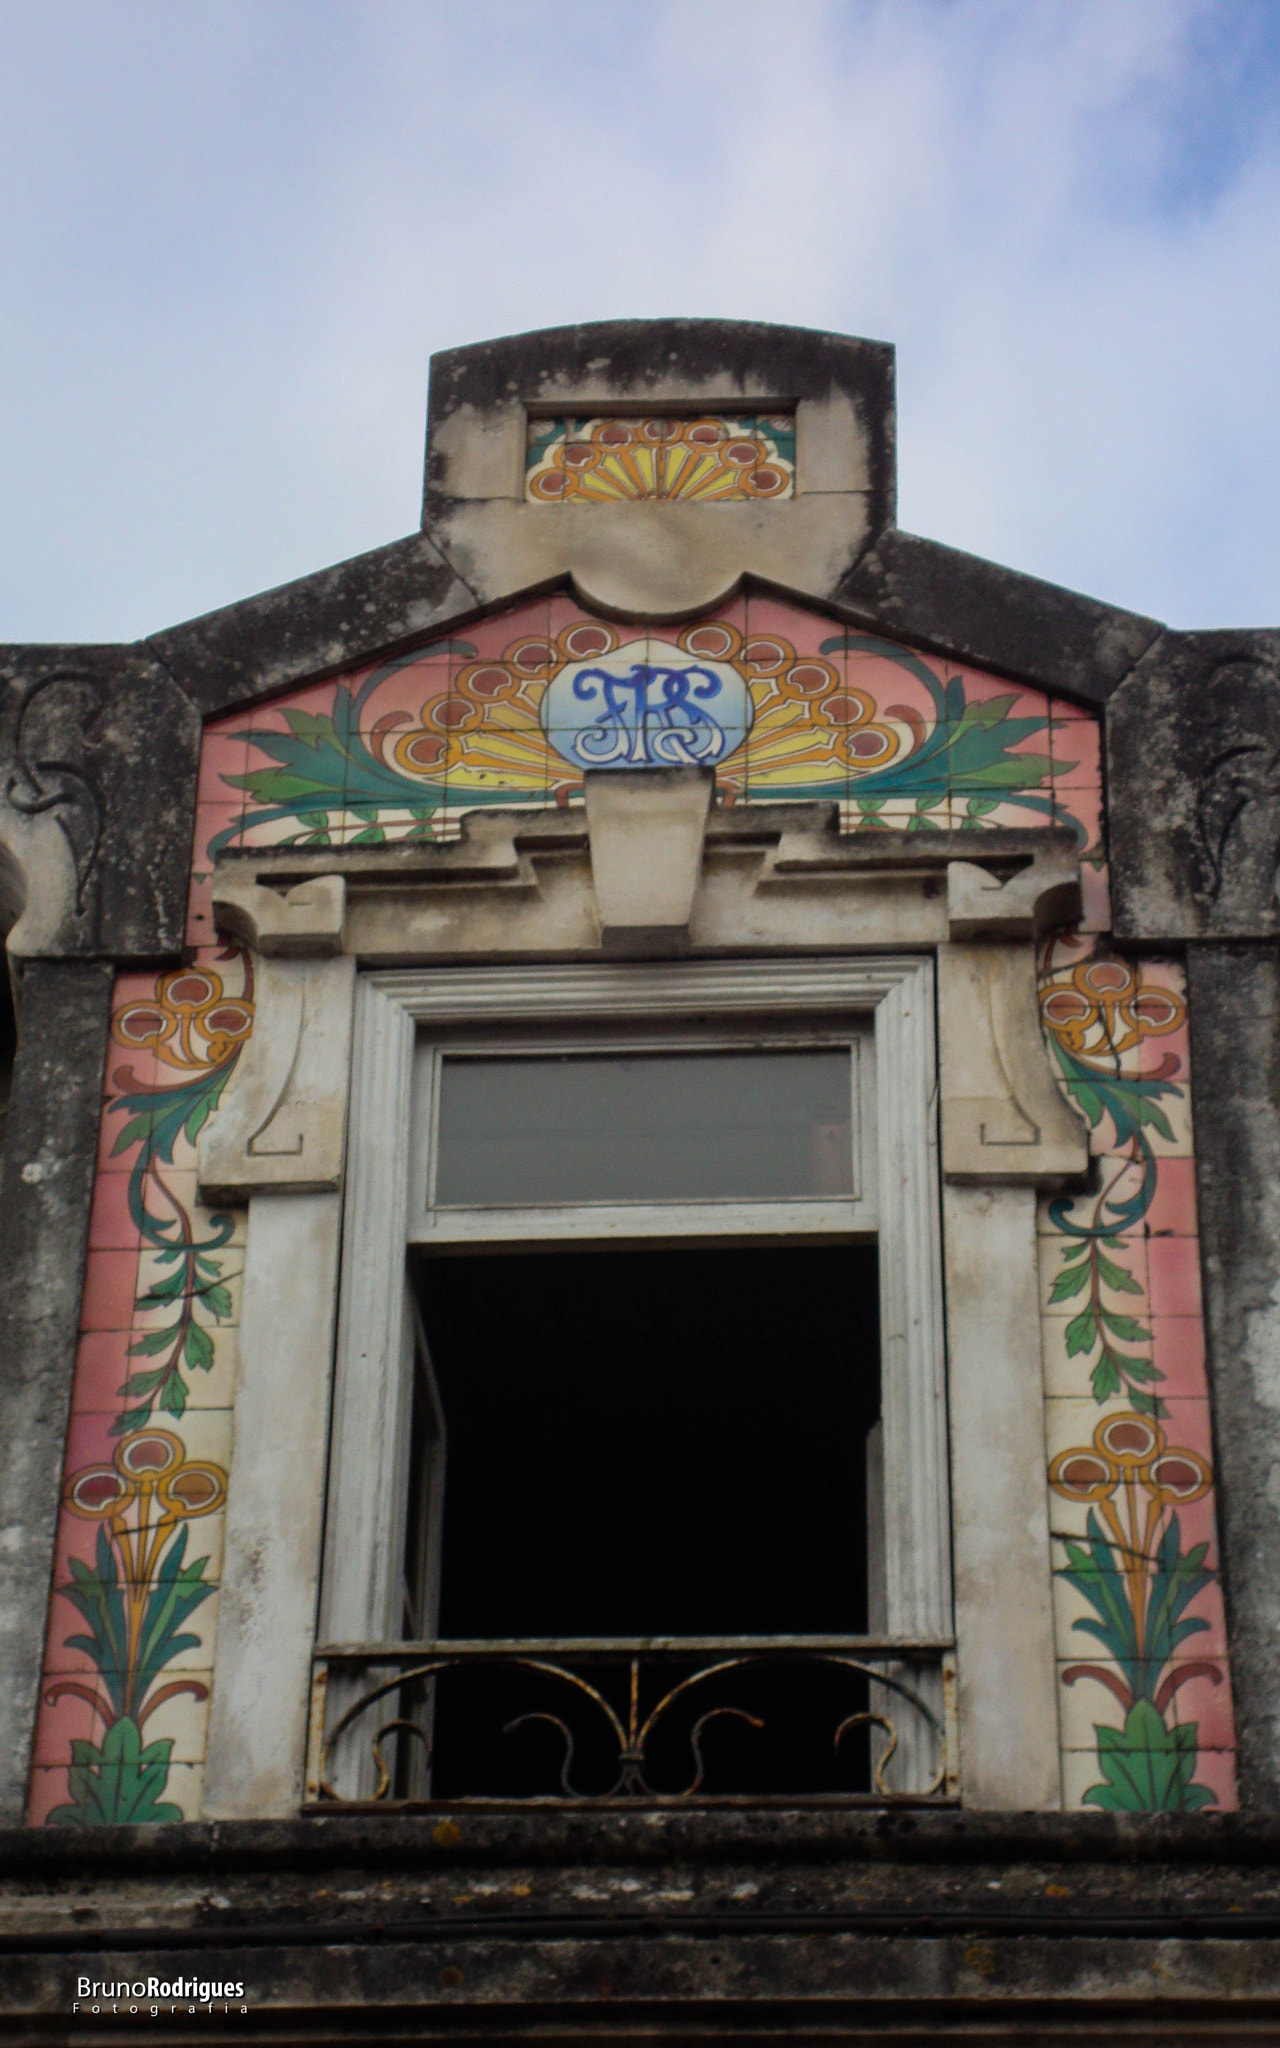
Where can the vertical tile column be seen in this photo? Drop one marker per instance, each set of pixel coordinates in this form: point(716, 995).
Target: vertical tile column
point(1144, 1682)
point(133, 1611)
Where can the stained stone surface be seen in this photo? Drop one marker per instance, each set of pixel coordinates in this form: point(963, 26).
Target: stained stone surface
point(1193, 762)
point(46, 1181)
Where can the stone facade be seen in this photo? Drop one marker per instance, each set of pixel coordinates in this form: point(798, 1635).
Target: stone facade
point(661, 715)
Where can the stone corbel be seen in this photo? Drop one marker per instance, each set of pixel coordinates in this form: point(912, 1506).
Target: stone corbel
point(1004, 1119)
point(646, 829)
point(305, 920)
point(281, 1124)
point(1039, 898)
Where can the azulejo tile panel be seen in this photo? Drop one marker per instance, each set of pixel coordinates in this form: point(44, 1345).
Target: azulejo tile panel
point(774, 699)
point(129, 1653)
point(715, 459)
point(1141, 1636)
point(781, 704)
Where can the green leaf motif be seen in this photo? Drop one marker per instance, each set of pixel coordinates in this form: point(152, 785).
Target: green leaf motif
point(117, 1782)
point(1070, 1282)
point(1148, 1767)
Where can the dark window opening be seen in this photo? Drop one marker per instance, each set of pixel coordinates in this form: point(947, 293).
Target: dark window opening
point(649, 1443)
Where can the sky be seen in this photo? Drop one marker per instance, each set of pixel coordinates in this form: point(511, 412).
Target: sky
point(232, 232)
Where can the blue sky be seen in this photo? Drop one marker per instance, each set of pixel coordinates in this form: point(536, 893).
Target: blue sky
point(233, 231)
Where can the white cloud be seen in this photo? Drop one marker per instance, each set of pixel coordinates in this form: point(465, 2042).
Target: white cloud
point(233, 232)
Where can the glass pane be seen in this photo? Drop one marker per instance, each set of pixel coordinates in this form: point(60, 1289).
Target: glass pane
point(645, 1127)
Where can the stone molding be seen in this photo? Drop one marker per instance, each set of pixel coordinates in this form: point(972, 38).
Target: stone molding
point(648, 868)
point(369, 1446)
point(651, 558)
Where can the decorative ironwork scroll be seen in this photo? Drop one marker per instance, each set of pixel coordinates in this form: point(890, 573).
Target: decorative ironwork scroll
point(652, 1739)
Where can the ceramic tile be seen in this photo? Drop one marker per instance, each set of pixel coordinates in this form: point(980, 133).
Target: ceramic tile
point(306, 826)
point(222, 755)
point(111, 1226)
point(183, 1719)
point(107, 1301)
point(1177, 1113)
point(313, 700)
point(206, 1437)
point(1202, 1698)
point(216, 826)
point(1173, 1269)
point(1178, 1348)
point(987, 808)
point(49, 1790)
point(1081, 1771)
point(1069, 1603)
point(64, 1717)
point(1079, 805)
point(102, 1365)
point(1076, 749)
point(1173, 1208)
point(1216, 1769)
point(1065, 1257)
point(1068, 1375)
point(1197, 1523)
point(395, 705)
point(1116, 1182)
point(1087, 1702)
point(215, 1387)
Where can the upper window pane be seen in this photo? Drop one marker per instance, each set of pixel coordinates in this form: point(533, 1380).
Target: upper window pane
point(645, 1127)
point(715, 459)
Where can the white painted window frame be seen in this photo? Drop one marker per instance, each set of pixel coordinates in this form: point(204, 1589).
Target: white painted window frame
point(369, 1451)
point(691, 1221)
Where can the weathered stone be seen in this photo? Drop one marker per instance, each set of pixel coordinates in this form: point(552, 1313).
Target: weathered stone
point(1234, 1006)
point(646, 832)
point(275, 1508)
point(597, 1925)
point(1193, 760)
point(98, 759)
point(46, 1181)
point(959, 605)
point(370, 605)
point(659, 558)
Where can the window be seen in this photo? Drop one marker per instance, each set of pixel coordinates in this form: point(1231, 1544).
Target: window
point(625, 1359)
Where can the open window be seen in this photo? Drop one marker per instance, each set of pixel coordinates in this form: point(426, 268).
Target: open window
point(623, 1498)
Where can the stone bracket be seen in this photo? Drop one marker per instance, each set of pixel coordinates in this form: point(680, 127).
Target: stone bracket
point(1036, 900)
point(305, 919)
point(646, 829)
point(1004, 1119)
point(282, 1119)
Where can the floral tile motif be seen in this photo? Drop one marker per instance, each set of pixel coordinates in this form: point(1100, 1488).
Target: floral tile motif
point(716, 459)
point(1144, 1683)
point(125, 1689)
point(767, 694)
point(782, 706)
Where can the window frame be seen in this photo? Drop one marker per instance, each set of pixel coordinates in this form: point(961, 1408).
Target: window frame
point(372, 1395)
point(432, 1226)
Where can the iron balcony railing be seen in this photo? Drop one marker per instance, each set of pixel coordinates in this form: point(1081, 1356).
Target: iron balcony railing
point(858, 1718)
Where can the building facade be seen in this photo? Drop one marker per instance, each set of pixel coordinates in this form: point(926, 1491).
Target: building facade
point(640, 1242)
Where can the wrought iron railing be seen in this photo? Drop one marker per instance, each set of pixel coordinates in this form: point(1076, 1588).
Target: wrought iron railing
point(856, 1717)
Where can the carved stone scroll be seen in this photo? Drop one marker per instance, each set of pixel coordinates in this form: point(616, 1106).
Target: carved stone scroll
point(1003, 1117)
point(282, 1120)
